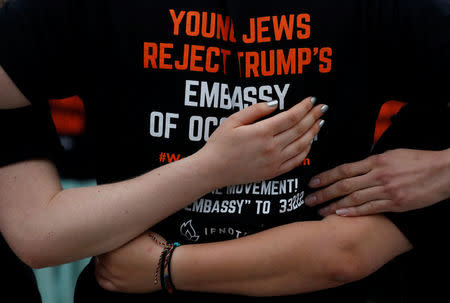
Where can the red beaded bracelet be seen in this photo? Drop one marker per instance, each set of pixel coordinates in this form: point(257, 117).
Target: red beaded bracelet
point(163, 267)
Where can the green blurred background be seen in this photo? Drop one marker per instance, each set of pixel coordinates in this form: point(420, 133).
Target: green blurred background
point(57, 284)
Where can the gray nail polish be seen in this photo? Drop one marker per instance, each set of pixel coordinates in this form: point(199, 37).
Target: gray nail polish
point(312, 141)
point(321, 123)
point(313, 100)
point(342, 212)
point(324, 109)
point(273, 103)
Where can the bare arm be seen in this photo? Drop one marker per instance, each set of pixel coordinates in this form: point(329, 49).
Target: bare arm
point(289, 259)
point(46, 225)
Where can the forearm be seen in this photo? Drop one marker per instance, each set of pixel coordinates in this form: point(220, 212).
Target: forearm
point(295, 258)
point(81, 222)
point(46, 226)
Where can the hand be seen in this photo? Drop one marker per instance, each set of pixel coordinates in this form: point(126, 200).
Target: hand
point(132, 267)
point(242, 150)
point(395, 181)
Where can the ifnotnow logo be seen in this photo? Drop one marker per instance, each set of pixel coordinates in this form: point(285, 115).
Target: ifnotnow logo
point(188, 231)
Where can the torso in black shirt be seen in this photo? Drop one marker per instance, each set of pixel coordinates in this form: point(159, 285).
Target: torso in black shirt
point(158, 78)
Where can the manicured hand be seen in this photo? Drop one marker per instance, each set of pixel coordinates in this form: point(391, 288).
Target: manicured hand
point(395, 181)
point(132, 267)
point(247, 149)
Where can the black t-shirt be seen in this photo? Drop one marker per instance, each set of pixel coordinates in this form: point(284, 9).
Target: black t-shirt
point(18, 283)
point(417, 275)
point(158, 78)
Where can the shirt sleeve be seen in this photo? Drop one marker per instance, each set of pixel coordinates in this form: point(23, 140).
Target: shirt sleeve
point(28, 133)
point(40, 51)
point(409, 49)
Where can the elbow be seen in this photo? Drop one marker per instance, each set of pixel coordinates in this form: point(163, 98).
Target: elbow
point(343, 261)
point(31, 248)
point(346, 263)
point(32, 255)
point(33, 261)
point(38, 259)
point(349, 268)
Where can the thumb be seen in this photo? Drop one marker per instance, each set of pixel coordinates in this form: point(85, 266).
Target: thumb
point(253, 113)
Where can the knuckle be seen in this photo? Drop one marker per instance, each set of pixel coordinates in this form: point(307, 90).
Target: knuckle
point(344, 186)
point(291, 117)
point(384, 177)
point(378, 176)
point(299, 128)
point(355, 198)
point(321, 196)
point(396, 205)
point(332, 207)
point(398, 199)
point(380, 159)
point(231, 120)
point(104, 282)
point(372, 160)
point(344, 170)
point(390, 188)
point(269, 148)
point(108, 285)
point(371, 207)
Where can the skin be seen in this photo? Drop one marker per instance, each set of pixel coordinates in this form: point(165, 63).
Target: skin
point(395, 181)
point(400, 180)
point(289, 259)
point(46, 225)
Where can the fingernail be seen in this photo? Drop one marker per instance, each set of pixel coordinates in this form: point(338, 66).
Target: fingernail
point(316, 138)
point(324, 211)
point(343, 212)
point(324, 109)
point(310, 200)
point(273, 103)
point(313, 100)
point(314, 182)
point(321, 123)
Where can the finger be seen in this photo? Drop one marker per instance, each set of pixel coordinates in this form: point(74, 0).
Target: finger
point(289, 118)
point(341, 172)
point(294, 162)
point(102, 268)
point(292, 134)
point(104, 282)
point(371, 208)
point(341, 188)
point(301, 143)
point(355, 199)
point(252, 113)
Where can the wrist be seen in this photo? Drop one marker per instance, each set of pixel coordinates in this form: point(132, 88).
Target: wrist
point(208, 169)
point(182, 276)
